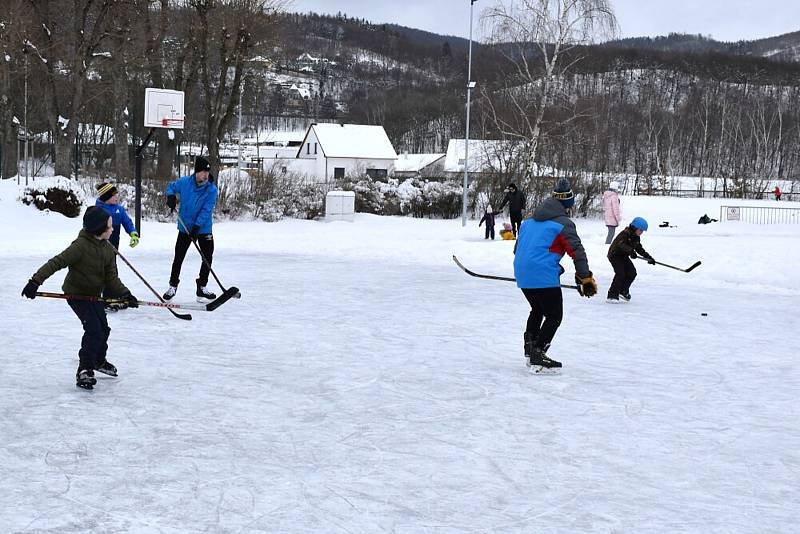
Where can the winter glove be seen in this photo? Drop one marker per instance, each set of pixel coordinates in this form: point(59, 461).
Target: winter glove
point(172, 201)
point(633, 255)
point(30, 289)
point(131, 301)
point(134, 239)
point(195, 232)
point(651, 260)
point(587, 287)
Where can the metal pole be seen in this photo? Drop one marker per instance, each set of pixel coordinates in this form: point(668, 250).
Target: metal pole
point(239, 158)
point(25, 120)
point(466, 135)
point(137, 174)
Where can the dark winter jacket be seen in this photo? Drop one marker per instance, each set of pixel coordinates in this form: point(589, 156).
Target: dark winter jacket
point(197, 203)
point(119, 217)
point(542, 242)
point(626, 243)
point(91, 268)
point(489, 218)
point(515, 201)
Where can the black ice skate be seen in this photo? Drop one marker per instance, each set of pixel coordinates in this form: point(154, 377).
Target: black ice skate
point(625, 296)
point(204, 295)
point(85, 379)
point(106, 368)
point(540, 363)
point(169, 293)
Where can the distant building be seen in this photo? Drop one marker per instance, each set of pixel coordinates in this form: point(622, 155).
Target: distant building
point(340, 150)
point(419, 166)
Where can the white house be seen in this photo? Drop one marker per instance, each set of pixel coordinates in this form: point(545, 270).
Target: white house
point(419, 165)
point(347, 149)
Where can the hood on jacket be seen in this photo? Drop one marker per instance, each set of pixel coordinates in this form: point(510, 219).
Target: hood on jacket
point(550, 209)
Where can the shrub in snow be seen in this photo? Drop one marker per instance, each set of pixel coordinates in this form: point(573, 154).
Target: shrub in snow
point(415, 197)
point(55, 199)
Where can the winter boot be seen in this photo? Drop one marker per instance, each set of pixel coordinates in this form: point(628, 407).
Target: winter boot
point(169, 293)
point(106, 368)
point(204, 295)
point(541, 363)
point(85, 379)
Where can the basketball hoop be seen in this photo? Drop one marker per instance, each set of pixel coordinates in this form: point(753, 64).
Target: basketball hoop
point(172, 123)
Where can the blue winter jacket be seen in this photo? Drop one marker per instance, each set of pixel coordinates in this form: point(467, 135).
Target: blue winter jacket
point(197, 203)
point(119, 217)
point(542, 242)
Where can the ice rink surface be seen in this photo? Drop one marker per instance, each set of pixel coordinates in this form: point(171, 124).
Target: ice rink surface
point(364, 384)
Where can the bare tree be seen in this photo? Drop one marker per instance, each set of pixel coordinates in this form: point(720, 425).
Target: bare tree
point(537, 38)
point(228, 31)
point(66, 39)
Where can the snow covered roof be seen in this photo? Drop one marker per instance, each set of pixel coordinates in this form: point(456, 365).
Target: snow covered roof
point(352, 141)
point(415, 162)
point(483, 155)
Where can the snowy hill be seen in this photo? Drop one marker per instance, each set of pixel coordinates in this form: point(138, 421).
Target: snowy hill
point(363, 383)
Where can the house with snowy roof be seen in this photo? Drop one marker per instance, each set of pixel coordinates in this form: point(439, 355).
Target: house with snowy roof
point(340, 150)
point(486, 157)
point(419, 166)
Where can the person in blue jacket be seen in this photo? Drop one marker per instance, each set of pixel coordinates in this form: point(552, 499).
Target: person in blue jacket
point(108, 199)
point(542, 241)
point(198, 196)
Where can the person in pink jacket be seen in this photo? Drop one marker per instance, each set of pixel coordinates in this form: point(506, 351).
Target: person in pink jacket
point(611, 211)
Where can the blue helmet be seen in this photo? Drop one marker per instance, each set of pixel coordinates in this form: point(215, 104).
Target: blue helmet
point(639, 224)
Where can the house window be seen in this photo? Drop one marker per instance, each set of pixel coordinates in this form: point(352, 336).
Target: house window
point(308, 148)
point(461, 162)
point(283, 170)
point(376, 173)
point(315, 148)
point(338, 172)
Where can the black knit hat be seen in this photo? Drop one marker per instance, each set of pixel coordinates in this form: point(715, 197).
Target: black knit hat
point(201, 164)
point(106, 190)
point(95, 220)
point(563, 192)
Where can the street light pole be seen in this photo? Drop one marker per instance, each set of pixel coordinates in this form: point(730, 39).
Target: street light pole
point(470, 85)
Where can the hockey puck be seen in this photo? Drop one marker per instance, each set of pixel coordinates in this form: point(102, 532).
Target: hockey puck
point(704, 314)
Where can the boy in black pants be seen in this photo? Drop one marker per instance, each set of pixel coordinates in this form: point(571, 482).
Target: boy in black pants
point(625, 246)
point(92, 267)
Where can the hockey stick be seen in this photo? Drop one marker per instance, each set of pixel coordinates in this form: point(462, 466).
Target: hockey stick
point(184, 316)
point(688, 269)
point(87, 298)
point(503, 278)
point(236, 294)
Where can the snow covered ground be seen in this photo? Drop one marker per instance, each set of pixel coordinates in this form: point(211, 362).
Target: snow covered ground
point(364, 384)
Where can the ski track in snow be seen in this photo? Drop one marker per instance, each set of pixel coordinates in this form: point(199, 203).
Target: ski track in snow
point(357, 396)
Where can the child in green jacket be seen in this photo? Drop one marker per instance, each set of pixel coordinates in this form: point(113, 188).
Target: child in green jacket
point(92, 267)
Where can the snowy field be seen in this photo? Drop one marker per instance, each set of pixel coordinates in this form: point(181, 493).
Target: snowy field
point(364, 384)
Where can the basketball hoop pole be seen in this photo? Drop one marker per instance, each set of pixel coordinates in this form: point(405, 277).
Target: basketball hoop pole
point(138, 178)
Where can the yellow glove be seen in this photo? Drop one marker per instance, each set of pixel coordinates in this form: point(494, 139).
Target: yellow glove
point(587, 287)
point(134, 239)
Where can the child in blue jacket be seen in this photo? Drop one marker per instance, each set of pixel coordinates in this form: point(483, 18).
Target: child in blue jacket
point(108, 199)
point(198, 199)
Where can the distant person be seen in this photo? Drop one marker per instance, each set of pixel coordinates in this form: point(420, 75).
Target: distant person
point(198, 199)
point(543, 240)
point(516, 203)
point(611, 210)
point(91, 267)
point(777, 193)
point(626, 246)
point(108, 199)
point(488, 217)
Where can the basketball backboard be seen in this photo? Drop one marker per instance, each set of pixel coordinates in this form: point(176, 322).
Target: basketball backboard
point(163, 108)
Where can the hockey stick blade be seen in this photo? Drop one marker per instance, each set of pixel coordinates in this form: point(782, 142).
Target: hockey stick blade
point(492, 277)
point(229, 293)
point(696, 264)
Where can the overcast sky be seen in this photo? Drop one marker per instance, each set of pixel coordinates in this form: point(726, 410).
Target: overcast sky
point(724, 20)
